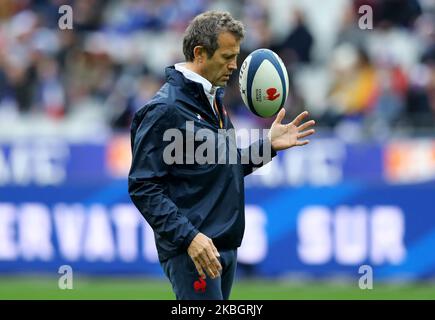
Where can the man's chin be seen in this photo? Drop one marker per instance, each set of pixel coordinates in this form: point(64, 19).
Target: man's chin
point(222, 83)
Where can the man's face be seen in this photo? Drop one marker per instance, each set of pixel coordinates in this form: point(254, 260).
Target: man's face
point(218, 68)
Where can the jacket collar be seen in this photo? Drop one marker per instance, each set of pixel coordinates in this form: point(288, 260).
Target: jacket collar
point(193, 89)
point(175, 77)
point(191, 75)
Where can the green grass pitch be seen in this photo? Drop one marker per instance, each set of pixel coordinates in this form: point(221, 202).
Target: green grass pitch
point(40, 287)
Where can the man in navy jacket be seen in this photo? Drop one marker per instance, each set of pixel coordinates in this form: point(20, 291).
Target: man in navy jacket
point(196, 207)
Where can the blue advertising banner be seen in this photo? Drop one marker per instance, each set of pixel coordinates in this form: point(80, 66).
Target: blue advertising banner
point(322, 211)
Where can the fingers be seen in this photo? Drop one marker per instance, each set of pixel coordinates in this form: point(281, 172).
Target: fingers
point(212, 255)
point(208, 261)
point(302, 134)
point(306, 125)
point(280, 116)
point(215, 265)
point(215, 255)
point(199, 268)
point(302, 143)
point(305, 133)
point(205, 256)
point(299, 118)
point(209, 265)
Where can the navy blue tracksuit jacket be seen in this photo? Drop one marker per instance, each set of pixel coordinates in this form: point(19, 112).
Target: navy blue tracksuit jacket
point(179, 200)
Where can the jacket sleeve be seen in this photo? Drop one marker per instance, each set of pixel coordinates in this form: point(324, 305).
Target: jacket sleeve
point(256, 155)
point(148, 173)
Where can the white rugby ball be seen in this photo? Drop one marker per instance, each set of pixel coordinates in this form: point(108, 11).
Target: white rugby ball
point(263, 82)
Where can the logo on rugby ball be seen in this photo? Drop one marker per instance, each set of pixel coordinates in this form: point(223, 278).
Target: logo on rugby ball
point(271, 94)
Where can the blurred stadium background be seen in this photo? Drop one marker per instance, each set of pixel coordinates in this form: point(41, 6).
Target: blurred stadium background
point(362, 193)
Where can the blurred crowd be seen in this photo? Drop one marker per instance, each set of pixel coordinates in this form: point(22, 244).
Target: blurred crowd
point(372, 82)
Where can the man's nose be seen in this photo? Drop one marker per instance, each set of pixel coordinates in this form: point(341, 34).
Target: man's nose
point(233, 65)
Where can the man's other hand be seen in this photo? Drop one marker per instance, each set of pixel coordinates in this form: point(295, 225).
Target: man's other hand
point(205, 256)
point(284, 136)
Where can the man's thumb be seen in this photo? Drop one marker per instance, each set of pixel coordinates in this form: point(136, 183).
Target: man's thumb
point(280, 116)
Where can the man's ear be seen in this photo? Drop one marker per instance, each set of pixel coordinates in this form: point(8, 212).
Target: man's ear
point(199, 53)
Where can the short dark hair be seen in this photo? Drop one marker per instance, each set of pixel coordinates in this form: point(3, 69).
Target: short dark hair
point(204, 30)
